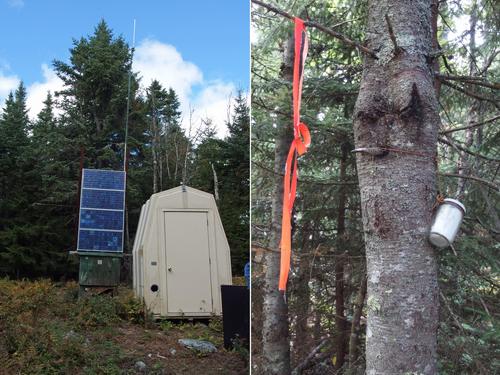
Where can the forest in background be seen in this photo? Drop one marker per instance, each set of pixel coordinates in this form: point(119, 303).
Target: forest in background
point(41, 159)
point(321, 329)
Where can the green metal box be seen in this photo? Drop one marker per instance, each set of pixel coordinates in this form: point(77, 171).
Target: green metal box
point(99, 269)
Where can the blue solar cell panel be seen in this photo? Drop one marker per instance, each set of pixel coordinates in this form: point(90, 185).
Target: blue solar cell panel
point(97, 219)
point(101, 210)
point(100, 240)
point(103, 179)
point(102, 199)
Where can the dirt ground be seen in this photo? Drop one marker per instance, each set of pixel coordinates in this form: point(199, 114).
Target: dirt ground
point(163, 354)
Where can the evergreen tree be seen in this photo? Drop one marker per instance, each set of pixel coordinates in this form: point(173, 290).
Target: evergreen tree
point(228, 159)
point(14, 127)
point(167, 140)
point(46, 121)
point(95, 94)
point(40, 161)
point(14, 187)
point(52, 214)
point(328, 232)
point(235, 183)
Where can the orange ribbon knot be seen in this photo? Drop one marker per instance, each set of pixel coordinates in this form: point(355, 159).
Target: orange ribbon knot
point(299, 146)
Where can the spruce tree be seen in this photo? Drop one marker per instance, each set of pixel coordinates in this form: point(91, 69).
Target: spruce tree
point(14, 187)
point(235, 183)
point(95, 94)
point(229, 158)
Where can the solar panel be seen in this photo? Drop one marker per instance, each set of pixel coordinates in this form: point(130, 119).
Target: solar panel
point(102, 206)
point(103, 179)
point(102, 199)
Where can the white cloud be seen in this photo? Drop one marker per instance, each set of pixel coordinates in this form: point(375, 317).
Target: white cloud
point(156, 60)
point(8, 83)
point(160, 61)
point(153, 60)
point(212, 102)
point(37, 91)
point(16, 3)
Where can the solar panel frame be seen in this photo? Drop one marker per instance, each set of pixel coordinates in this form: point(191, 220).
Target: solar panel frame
point(108, 178)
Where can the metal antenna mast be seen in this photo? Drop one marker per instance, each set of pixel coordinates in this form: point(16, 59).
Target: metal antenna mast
point(128, 102)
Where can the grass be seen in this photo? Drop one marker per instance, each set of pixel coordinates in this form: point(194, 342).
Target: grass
point(46, 329)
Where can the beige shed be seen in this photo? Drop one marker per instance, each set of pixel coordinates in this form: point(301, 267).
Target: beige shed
point(181, 256)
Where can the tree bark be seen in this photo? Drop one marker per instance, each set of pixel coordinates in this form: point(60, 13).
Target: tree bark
point(303, 295)
point(397, 108)
point(435, 44)
point(184, 171)
point(356, 320)
point(216, 183)
point(317, 325)
point(160, 163)
point(176, 148)
point(275, 335)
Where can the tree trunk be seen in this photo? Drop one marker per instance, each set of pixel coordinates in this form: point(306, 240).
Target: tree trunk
point(188, 143)
point(356, 320)
point(463, 165)
point(317, 325)
point(166, 154)
point(160, 162)
point(99, 126)
point(176, 148)
point(216, 183)
point(303, 295)
point(275, 340)
point(397, 111)
point(184, 170)
point(435, 44)
point(340, 322)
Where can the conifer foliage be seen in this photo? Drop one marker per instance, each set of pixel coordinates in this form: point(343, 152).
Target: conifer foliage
point(329, 322)
point(40, 159)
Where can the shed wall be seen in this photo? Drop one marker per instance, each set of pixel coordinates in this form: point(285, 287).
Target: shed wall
point(151, 247)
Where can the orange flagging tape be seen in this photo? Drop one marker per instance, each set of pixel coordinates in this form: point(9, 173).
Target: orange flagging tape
point(300, 143)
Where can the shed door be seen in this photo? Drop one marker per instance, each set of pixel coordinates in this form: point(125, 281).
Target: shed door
point(189, 287)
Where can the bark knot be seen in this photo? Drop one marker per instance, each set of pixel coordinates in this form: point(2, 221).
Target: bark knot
point(413, 110)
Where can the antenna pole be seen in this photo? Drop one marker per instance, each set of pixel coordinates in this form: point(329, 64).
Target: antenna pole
point(125, 156)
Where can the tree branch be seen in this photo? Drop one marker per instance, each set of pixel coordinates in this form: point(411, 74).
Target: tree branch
point(318, 26)
point(489, 62)
point(452, 314)
point(481, 180)
point(259, 102)
point(471, 94)
point(479, 81)
point(306, 363)
point(452, 144)
point(474, 125)
point(397, 49)
point(492, 211)
point(446, 64)
point(308, 180)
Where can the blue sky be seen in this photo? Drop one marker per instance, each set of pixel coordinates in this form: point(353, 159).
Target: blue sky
point(201, 48)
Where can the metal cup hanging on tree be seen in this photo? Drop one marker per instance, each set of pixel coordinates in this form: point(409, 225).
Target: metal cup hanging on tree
point(446, 223)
